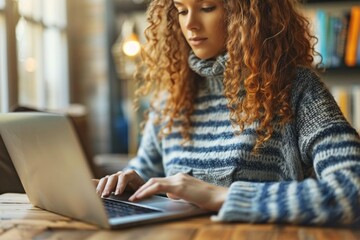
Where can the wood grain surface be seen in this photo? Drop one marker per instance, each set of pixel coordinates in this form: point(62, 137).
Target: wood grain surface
point(20, 220)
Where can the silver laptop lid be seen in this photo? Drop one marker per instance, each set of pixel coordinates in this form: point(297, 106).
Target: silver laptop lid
point(48, 157)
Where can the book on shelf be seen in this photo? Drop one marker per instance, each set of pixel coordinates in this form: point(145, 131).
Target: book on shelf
point(338, 36)
point(343, 98)
point(342, 38)
point(348, 99)
point(358, 51)
point(353, 37)
point(322, 32)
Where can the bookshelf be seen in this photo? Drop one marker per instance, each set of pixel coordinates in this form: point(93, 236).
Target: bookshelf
point(343, 78)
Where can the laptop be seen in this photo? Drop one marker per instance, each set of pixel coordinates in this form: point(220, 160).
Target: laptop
point(54, 172)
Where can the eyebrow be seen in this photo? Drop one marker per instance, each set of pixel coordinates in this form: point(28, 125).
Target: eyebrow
point(179, 3)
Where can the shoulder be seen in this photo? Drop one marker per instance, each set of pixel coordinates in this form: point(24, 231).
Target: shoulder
point(307, 85)
point(305, 77)
point(313, 104)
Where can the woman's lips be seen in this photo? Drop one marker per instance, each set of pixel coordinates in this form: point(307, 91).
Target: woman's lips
point(196, 41)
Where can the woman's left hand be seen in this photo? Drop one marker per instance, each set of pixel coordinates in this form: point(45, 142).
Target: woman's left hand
point(183, 186)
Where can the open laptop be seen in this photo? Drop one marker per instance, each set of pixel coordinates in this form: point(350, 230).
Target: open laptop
point(53, 170)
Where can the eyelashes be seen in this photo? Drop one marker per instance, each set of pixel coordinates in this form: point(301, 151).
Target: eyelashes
point(204, 9)
point(208, 9)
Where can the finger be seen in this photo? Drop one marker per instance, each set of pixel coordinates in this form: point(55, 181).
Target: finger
point(123, 180)
point(144, 186)
point(135, 183)
point(153, 186)
point(110, 185)
point(101, 185)
point(128, 180)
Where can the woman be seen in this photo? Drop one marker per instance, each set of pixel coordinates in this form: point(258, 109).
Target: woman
point(239, 122)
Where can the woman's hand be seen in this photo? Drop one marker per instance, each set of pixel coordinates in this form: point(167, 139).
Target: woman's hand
point(118, 182)
point(183, 186)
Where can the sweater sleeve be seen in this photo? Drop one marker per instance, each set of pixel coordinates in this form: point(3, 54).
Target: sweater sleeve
point(327, 142)
point(148, 160)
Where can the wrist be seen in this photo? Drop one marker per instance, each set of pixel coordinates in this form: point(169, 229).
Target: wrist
point(219, 197)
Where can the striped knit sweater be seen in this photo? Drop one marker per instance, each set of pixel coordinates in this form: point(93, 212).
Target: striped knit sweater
point(307, 173)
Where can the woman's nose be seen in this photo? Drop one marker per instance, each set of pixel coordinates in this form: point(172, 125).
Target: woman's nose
point(192, 22)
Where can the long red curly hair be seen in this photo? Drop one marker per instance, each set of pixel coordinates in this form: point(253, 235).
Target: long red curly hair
point(267, 40)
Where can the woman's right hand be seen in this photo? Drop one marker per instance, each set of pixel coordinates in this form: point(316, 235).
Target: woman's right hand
point(127, 180)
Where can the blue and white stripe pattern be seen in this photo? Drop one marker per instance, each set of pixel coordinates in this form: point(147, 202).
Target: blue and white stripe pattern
point(308, 172)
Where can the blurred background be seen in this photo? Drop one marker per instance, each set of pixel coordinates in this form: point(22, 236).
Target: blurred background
point(77, 57)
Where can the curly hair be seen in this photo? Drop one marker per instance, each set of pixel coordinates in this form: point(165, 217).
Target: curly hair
point(267, 40)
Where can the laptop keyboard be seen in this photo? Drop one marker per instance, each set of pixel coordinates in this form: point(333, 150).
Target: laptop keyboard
point(120, 209)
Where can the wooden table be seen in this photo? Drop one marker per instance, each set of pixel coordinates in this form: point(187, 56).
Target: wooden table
point(20, 220)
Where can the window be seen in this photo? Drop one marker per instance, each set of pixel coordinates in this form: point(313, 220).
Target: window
point(42, 54)
point(3, 53)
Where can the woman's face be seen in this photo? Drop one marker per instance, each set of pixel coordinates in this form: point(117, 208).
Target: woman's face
point(202, 24)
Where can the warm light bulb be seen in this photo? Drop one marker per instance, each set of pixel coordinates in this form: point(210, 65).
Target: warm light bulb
point(30, 65)
point(131, 46)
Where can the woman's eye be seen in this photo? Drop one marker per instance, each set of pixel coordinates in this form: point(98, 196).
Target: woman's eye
point(204, 9)
point(208, 9)
point(182, 12)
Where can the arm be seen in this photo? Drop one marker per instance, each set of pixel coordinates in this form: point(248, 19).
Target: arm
point(327, 142)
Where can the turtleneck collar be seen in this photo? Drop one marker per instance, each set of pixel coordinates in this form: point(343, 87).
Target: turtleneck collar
point(212, 70)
